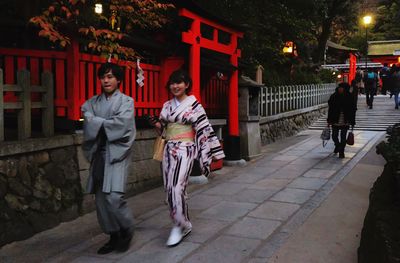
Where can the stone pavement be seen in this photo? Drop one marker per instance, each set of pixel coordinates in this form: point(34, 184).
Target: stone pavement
point(244, 214)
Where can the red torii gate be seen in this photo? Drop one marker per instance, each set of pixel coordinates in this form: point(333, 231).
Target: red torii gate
point(194, 38)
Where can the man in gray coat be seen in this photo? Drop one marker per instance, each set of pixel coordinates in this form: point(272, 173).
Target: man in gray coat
point(109, 131)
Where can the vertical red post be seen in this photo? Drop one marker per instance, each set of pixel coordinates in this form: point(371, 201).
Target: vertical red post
point(352, 67)
point(194, 60)
point(233, 95)
point(73, 81)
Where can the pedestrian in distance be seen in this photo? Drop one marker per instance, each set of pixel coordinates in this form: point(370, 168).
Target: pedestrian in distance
point(371, 86)
point(384, 75)
point(359, 82)
point(341, 115)
point(189, 136)
point(395, 82)
point(354, 92)
point(108, 135)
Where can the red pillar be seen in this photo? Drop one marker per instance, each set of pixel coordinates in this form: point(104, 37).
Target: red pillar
point(194, 60)
point(74, 111)
point(233, 99)
point(352, 67)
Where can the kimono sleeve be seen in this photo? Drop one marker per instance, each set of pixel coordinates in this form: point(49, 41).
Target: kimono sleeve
point(121, 124)
point(207, 143)
point(92, 124)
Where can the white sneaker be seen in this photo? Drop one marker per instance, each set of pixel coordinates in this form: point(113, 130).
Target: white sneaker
point(175, 236)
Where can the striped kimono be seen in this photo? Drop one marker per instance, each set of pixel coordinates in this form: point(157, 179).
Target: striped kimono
point(179, 154)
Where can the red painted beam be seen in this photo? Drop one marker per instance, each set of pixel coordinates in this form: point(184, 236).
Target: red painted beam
point(186, 13)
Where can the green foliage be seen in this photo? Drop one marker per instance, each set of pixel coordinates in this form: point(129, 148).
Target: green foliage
point(300, 75)
point(387, 26)
point(269, 24)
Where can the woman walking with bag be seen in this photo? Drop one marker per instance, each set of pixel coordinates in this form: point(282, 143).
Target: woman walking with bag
point(341, 114)
point(189, 136)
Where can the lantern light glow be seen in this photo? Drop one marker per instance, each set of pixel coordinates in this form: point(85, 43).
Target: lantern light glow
point(98, 8)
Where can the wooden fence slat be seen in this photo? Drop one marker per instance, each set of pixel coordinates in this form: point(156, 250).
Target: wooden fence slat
point(24, 115)
point(14, 88)
point(47, 99)
point(13, 106)
point(1, 107)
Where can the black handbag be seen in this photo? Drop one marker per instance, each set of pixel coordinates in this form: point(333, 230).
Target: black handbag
point(350, 138)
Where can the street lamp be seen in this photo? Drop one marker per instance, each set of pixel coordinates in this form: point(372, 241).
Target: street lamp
point(367, 20)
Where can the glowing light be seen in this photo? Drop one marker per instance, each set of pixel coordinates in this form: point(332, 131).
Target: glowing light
point(367, 20)
point(98, 8)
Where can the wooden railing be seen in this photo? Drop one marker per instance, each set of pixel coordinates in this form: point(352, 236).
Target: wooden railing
point(75, 80)
point(24, 104)
point(279, 99)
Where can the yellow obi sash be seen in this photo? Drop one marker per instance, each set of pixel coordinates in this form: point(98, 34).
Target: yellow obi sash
point(179, 132)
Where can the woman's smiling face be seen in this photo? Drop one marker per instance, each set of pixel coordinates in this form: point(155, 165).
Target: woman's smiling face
point(178, 89)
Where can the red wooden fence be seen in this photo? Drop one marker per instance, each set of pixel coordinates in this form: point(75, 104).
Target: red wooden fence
point(60, 63)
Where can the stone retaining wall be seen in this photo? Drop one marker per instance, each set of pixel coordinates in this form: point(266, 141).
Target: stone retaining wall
point(288, 124)
point(42, 182)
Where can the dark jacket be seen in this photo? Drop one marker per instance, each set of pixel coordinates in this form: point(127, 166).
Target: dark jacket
point(341, 102)
point(371, 84)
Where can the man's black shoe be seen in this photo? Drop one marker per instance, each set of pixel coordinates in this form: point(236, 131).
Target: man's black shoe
point(110, 246)
point(125, 239)
point(341, 155)
point(336, 149)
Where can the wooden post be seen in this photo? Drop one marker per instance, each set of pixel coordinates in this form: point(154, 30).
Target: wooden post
point(24, 115)
point(1, 107)
point(48, 101)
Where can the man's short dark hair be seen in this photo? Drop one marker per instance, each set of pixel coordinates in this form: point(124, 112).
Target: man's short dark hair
point(114, 68)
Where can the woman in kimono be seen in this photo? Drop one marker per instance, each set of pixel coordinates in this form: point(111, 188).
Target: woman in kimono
point(189, 136)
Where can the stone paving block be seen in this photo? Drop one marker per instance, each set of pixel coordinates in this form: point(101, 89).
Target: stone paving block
point(289, 171)
point(319, 173)
point(286, 158)
point(152, 212)
point(227, 211)
point(314, 155)
point(292, 195)
point(274, 210)
point(204, 229)
point(226, 189)
point(225, 249)
point(156, 251)
point(252, 195)
point(249, 177)
point(307, 183)
point(264, 170)
point(157, 221)
point(89, 259)
point(294, 152)
point(271, 183)
point(250, 227)
point(329, 165)
point(256, 260)
point(202, 201)
point(305, 162)
point(269, 249)
point(269, 163)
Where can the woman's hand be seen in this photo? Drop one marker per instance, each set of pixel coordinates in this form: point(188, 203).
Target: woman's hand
point(155, 122)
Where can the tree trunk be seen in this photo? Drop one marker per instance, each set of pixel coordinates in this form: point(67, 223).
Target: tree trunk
point(322, 39)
